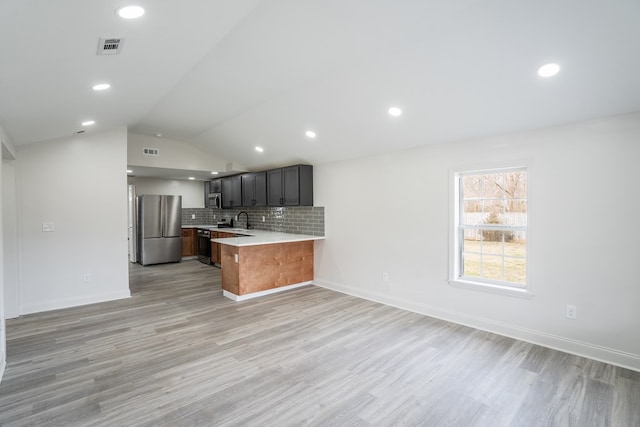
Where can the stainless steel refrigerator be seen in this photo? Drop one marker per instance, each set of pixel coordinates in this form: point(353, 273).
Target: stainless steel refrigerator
point(159, 229)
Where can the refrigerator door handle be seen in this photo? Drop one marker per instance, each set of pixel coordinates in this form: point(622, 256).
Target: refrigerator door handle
point(163, 215)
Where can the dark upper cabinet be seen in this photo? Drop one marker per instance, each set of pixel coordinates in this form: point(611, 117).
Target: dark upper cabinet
point(274, 187)
point(231, 192)
point(260, 194)
point(290, 186)
point(206, 194)
point(254, 189)
point(211, 187)
point(215, 186)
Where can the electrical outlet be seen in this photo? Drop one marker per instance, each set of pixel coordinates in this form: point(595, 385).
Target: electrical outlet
point(262, 218)
point(571, 312)
point(235, 257)
point(214, 216)
point(193, 216)
point(385, 276)
point(86, 278)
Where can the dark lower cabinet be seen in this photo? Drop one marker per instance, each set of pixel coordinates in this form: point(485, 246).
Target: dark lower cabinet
point(290, 186)
point(254, 189)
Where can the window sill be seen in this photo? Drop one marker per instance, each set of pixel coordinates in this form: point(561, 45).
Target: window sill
point(494, 289)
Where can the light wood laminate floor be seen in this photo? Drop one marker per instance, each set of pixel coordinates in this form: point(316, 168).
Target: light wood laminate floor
point(179, 354)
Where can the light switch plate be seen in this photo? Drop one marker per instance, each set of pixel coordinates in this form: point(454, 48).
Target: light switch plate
point(48, 226)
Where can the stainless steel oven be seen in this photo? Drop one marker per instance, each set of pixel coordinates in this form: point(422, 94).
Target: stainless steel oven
point(204, 245)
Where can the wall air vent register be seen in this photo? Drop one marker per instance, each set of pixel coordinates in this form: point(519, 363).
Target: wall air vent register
point(151, 151)
point(110, 46)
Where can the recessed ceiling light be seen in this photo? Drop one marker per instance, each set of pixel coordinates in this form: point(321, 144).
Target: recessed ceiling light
point(395, 111)
point(192, 178)
point(88, 123)
point(548, 70)
point(159, 135)
point(101, 86)
point(310, 134)
point(259, 149)
point(129, 171)
point(130, 12)
point(214, 173)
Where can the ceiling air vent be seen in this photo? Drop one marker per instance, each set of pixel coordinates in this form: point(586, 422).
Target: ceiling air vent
point(109, 46)
point(151, 151)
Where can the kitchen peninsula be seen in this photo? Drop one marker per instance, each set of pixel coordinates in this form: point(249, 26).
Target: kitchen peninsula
point(263, 262)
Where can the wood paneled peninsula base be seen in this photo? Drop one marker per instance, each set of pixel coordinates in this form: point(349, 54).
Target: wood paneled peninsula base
point(261, 264)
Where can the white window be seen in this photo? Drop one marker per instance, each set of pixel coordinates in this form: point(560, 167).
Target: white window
point(489, 232)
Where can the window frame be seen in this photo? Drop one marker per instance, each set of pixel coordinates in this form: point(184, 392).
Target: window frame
point(456, 236)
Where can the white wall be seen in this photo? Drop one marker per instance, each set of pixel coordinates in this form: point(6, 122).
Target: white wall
point(7, 192)
point(78, 184)
point(10, 240)
point(173, 155)
point(3, 334)
point(192, 192)
point(391, 213)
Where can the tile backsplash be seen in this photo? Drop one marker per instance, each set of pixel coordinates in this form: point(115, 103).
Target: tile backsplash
point(293, 219)
point(203, 216)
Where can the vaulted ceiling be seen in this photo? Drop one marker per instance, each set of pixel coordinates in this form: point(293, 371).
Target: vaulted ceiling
point(229, 75)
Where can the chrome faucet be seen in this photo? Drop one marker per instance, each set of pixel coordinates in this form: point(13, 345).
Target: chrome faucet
point(243, 212)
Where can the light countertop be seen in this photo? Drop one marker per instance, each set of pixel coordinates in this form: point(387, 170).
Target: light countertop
point(262, 237)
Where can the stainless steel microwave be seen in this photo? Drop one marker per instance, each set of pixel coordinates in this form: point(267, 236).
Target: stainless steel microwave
point(214, 200)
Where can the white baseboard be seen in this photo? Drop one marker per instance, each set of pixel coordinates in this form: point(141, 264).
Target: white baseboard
point(3, 364)
point(235, 297)
point(568, 345)
point(73, 302)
